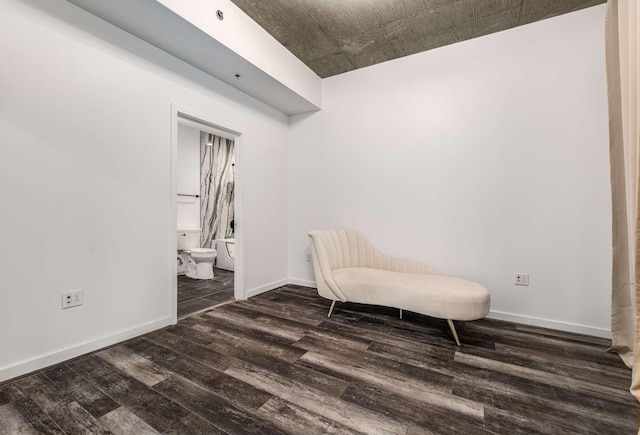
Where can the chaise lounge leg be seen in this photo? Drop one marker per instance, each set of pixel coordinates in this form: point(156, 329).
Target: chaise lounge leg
point(401, 313)
point(331, 309)
point(453, 330)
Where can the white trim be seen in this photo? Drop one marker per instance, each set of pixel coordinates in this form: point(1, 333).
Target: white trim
point(206, 128)
point(516, 318)
point(551, 324)
point(265, 288)
point(302, 282)
point(57, 357)
point(177, 112)
point(173, 213)
point(239, 291)
point(203, 118)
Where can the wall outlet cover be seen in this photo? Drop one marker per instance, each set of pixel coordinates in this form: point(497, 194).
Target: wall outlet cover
point(72, 298)
point(521, 278)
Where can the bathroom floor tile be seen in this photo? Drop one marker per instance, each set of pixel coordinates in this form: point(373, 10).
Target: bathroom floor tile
point(220, 296)
point(188, 293)
point(198, 294)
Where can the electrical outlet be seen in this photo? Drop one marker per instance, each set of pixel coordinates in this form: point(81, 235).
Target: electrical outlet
point(521, 278)
point(309, 256)
point(72, 298)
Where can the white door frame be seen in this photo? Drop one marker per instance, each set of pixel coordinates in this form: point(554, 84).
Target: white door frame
point(177, 111)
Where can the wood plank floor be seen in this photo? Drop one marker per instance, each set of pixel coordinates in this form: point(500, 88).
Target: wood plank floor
point(277, 364)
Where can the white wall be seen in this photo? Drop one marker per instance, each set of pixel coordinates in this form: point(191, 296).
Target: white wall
point(248, 39)
point(482, 158)
point(223, 49)
point(188, 177)
point(85, 128)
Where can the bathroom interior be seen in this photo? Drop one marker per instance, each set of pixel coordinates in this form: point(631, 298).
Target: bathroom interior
point(205, 217)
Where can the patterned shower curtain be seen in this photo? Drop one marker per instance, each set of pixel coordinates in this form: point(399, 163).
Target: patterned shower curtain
point(216, 188)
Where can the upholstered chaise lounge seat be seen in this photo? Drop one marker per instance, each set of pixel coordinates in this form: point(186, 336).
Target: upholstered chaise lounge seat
point(349, 269)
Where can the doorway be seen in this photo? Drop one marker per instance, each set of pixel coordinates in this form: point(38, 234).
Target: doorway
point(206, 211)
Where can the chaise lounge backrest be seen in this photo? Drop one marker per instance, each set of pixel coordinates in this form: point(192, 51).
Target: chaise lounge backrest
point(336, 249)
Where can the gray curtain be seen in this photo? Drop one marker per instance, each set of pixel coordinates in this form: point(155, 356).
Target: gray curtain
point(622, 78)
point(216, 188)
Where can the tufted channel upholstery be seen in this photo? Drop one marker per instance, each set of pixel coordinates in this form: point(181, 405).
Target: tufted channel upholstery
point(349, 269)
point(338, 249)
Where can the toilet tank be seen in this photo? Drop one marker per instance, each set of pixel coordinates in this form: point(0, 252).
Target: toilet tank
point(188, 238)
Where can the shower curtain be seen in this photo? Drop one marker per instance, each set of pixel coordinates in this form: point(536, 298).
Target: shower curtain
point(216, 188)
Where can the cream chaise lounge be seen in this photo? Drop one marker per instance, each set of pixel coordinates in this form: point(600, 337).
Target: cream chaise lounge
point(349, 269)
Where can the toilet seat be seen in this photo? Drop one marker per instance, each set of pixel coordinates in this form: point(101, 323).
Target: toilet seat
point(202, 252)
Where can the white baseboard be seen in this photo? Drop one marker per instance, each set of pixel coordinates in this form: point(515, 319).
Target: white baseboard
point(302, 282)
point(517, 318)
point(52, 358)
point(265, 288)
point(552, 324)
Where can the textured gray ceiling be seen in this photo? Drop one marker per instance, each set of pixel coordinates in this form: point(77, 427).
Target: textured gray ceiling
point(335, 36)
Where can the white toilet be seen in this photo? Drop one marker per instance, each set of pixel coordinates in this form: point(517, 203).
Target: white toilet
point(199, 261)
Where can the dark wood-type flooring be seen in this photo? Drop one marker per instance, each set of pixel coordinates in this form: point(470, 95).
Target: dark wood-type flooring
point(198, 294)
point(276, 364)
